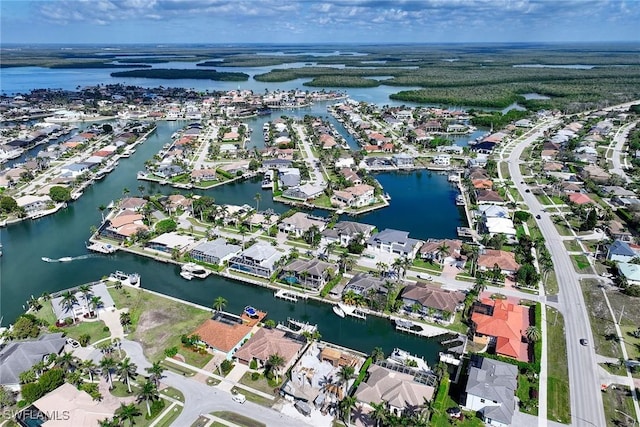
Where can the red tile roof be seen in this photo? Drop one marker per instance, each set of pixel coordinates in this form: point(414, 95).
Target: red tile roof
point(222, 336)
point(508, 325)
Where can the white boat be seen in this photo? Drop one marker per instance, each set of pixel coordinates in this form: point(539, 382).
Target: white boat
point(405, 358)
point(134, 278)
point(460, 200)
point(337, 310)
point(65, 259)
point(347, 309)
point(194, 270)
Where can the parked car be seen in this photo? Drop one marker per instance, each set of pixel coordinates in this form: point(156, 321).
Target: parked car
point(239, 397)
point(73, 343)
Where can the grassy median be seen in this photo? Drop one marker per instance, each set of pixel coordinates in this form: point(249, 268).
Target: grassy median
point(558, 403)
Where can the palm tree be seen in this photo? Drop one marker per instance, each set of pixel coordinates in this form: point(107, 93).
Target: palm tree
point(380, 413)
point(350, 297)
point(68, 301)
point(397, 267)
point(406, 265)
point(274, 363)
point(109, 422)
point(383, 268)
point(86, 291)
point(155, 372)
point(533, 334)
point(125, 191)
point(257, 198)
point(89, 367)
point(126, 370)
point(345, 374)
point(219, 304)
point(34, 304)
point(346, 405)
point(128, 413)
point(66, 361)
point(46, 296)
point(377, 354)
point(148, 392)
point(442, 251)
point(125, 320)
point(94, 303)
point(107, 364)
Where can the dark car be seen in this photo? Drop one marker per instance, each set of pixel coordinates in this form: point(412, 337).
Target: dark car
point(454, 412)
point(584, 341)
point(537, 216)
point(527, 191)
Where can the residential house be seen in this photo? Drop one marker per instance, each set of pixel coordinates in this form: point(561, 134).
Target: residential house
point(365, 284)
point(261, 259)
point(344, 231)
point(394, 242)
point(506, 261)
point(171, 242)
point(401, 391)
point(430, 251)
point(493, 226)
point(199, 175)
point(311, 273)
point(124, 225)
point(621, 251)
point(299, 223)
point(19, 356)
point(267, 342)
point(214, 252)
point(442, 160)
point(289, 177)
point(81, 307)
point(490, 390)
point(433, 300)
point(351, 176)
point(402, 160)
point(357, 196)
point(33, 204)
point(224, 332)
point(579, 198)
point(502, 325)
point(489, 196)
point(631, 272)
point(618, 231)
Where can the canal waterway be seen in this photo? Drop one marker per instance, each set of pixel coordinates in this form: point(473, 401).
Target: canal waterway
point(23, 273)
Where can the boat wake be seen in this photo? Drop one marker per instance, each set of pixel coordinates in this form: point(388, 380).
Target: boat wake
point(67, 258)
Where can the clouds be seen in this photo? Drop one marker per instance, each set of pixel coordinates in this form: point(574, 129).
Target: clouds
point(333, 20)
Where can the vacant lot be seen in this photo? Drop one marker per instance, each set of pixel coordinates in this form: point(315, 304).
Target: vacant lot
point(559, 408)
point(616, 402)
point(158, 322)
point(602, 326)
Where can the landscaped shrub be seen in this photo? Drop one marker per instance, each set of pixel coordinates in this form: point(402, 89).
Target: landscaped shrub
point(171, 351)
point(255, 376)
point(226, 366)
point(253, 364)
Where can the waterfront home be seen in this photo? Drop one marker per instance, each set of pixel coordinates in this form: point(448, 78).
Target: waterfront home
point(402, 160)
point(443, 250)
point(489, 196)
point(631, 272)
point(344, 232)
point(214, 252)
point(455, 149)
point(206, 174)
point(357, 196)
point(19, 356)
point(32, 204)
point(492, 211)
point(621, 251)
point(482, 184)
point(401, 392)
point(82, 307)
point(267, 342)
point(299, 223)
point(442, 160)
point(490, 390)
point(124, 225)
point(394, 242)
point(289, 177)
point(224, 332)
point(311, 273)
point(277, 164)
point(177, 201)
point(171, 243)
point(493, 226)
point(432, 300)
point(350, 176)
point(261, 259)
point(132, 203)
point(618, 231)
point(501, 324)
point(344, 162)
point(506, 261)
point(74, 169)
point(366, 285)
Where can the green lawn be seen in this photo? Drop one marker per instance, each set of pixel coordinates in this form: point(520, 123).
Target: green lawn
point(46, 313)
point(442, 402)
point(527, 404)
point(544, 199)
point(581, 264)
point(322, 201)
point(158, 322)
point(551, 285)
point(261, 384)
point(572, 246)
point(252, 397)
point(618, 399)
point(238, 419)
point(631, 343)
point(177, 368)
point(94, 329)
point(562, 228)
point(432, 266)
point(558, 404)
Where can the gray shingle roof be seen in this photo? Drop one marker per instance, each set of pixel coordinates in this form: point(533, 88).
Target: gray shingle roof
point(494, 381)
point(17, 357)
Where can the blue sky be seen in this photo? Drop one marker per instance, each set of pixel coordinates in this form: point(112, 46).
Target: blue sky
point(311, 21)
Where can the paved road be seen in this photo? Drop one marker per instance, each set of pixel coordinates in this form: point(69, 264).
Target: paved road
point(618, 142)
point(586, 399)
point(200, 398)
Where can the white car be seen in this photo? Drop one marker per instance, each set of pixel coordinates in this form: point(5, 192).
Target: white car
point(73, 343)
point(239, 397)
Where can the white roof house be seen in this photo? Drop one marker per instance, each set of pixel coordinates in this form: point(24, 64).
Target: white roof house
point(170, 241)
point(260, 260)
point(500, 225)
